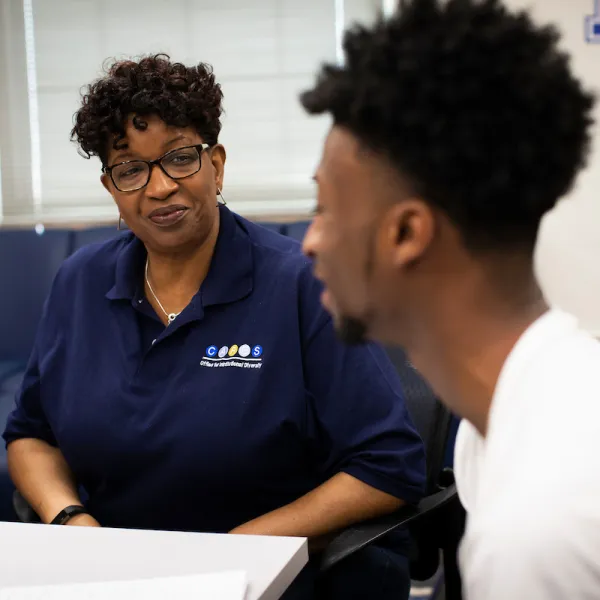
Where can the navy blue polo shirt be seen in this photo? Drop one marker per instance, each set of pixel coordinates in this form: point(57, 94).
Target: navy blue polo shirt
point(245, 403)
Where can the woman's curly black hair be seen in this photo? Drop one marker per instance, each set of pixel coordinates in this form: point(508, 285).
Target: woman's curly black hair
point(477, 106)
point(181, 96)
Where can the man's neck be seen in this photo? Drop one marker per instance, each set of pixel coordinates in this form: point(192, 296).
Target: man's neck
point(462, 354)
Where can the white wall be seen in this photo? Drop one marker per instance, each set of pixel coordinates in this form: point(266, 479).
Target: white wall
point(568, 253)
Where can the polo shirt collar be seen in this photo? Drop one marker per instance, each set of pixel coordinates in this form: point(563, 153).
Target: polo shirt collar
point(230, 276)
point(129, 270)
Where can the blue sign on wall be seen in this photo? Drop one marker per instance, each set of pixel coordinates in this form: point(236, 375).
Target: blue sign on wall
point(592, 25)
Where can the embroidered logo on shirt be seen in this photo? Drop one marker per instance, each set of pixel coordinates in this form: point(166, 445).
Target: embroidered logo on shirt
point(242, 357)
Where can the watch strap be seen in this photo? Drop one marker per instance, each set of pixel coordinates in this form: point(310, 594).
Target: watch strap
point(67, 513)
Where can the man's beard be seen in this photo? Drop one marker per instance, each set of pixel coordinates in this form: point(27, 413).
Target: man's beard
point(351, 331)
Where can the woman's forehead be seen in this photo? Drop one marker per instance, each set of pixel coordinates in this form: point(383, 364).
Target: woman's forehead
point(150, 136)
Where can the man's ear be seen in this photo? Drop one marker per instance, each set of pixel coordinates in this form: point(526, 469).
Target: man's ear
point(218, 156)
point(410, 229)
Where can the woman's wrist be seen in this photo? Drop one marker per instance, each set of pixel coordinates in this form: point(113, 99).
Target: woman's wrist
point(82, 520)
point(53, 504)
point(67, 513)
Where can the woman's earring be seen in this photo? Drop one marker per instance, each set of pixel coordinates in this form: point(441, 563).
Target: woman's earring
point(220, 199)
point(119, 222)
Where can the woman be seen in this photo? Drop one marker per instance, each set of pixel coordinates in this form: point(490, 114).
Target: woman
point(184, 374)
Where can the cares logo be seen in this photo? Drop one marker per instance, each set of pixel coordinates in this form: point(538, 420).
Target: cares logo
point(243, 356)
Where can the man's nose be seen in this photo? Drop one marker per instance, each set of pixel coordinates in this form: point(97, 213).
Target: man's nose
point(310, 240)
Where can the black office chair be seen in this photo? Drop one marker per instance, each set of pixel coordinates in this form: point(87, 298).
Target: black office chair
point(24, 512)
point(437, 523)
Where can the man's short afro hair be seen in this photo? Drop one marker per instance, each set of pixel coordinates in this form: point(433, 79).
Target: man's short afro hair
point(477, 106)
point(181, 96)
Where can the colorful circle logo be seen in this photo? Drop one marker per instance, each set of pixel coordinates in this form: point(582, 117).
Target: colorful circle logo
point(223, 351)
point(257, 351)
point(244, 350)
point(211, 351)
point(233, 350)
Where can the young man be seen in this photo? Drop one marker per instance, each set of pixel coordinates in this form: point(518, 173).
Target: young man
point(456, 126)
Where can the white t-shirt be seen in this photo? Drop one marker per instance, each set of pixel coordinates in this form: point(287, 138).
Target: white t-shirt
point(532, 486)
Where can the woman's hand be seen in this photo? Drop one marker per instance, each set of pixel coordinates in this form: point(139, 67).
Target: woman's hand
point(315, 544)
point(83, 521)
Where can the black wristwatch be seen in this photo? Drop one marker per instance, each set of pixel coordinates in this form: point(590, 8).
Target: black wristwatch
point(67, 513)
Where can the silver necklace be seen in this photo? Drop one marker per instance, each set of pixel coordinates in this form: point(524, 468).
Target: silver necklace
point(170, 316)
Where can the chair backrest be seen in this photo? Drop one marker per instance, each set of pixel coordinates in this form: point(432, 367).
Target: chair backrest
point(297, 230)
point(431, 418)
point(276, 227)
point(83, 237)
point(28, 264)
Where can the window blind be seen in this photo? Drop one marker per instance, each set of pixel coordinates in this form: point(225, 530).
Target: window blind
point(264, 52)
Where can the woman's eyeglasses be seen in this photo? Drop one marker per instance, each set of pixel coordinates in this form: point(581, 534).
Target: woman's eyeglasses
point(133, 175)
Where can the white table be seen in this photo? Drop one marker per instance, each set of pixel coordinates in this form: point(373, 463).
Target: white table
point(45, 554)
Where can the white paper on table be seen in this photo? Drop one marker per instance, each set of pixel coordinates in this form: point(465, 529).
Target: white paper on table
point(227, 585)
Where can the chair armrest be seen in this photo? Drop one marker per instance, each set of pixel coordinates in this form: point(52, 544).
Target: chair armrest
point(24, 512)
point(358, 536)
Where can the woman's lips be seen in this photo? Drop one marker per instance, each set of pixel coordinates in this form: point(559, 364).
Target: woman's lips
point(168, 215)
